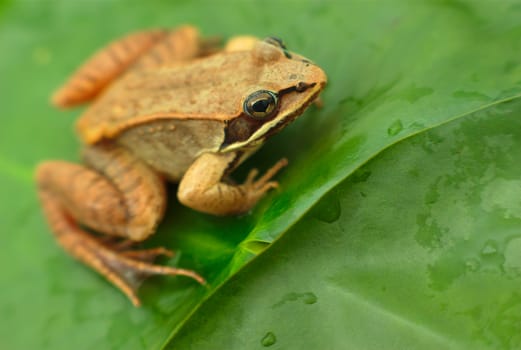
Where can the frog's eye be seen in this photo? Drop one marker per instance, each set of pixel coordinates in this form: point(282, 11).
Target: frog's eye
point(261, 104)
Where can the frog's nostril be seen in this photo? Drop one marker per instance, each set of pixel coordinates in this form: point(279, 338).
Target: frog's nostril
point(301, 86)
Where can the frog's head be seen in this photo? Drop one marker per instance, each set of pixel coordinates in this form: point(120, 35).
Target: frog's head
point(285, 85)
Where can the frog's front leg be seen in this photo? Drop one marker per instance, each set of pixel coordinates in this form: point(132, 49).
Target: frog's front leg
point(202, 187)
point(117, 194)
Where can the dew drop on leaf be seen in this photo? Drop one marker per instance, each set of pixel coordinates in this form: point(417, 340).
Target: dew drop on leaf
point(269, 339)
point(309, 298)
point(395, 128)
point(489, 248)
point(329, 209)
point(472, 265)
point(492, 257)
point(361, 175)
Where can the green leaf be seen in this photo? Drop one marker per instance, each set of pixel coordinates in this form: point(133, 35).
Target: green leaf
point(396, 69)
point(421, 252)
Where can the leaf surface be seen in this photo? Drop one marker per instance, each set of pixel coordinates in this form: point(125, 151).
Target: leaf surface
point(395, 69)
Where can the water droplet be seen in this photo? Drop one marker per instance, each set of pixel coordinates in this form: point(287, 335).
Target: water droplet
point(492, 257)
point(255, 247)
point(328, 209)
point(395, 128)
point(309, 298)
point(361, 175)
point(432, 195)
point(489, 248)
point(286, 298)
point(472, 265)
point(269, 339)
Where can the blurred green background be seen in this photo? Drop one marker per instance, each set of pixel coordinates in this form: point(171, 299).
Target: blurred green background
point(398, 222)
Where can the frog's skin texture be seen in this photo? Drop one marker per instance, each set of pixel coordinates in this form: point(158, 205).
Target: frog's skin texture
point(166, 105)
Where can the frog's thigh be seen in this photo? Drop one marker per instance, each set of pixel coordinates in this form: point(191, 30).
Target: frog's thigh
point(201, 187)
point(118, 196)
point(142, 189)
point(83, 194)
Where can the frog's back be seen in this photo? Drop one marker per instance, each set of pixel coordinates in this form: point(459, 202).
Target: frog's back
point(196, 89)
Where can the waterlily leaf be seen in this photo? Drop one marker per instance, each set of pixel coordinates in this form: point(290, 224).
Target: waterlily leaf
point(420, 250)
point(396, 69)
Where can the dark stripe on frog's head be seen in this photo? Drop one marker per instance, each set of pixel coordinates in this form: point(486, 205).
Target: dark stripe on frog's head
point(240, 129)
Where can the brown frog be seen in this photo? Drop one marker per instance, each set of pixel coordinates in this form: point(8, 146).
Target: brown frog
point(167, 105)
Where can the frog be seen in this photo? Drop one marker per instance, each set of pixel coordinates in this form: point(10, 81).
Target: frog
point(167, 105)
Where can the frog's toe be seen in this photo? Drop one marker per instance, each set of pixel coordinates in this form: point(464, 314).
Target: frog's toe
point(147, 254)
point(124, 267)
point(128, 268)
point(263, 182)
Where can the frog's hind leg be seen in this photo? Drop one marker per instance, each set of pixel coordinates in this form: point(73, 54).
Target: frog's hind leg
point(139, 50)
point(179, 45)
point(119, 196)
point(104, 66)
